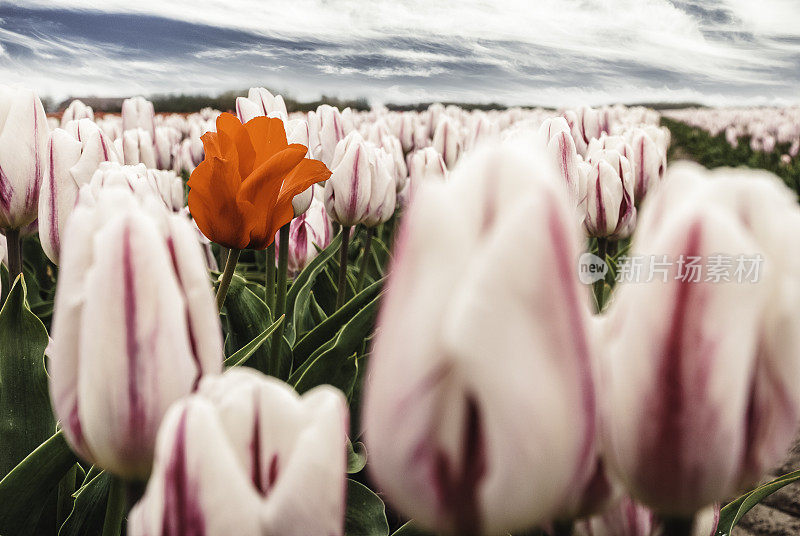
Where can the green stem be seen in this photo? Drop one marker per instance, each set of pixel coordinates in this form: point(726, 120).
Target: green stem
point(280, 303)
point(14, 241)
point(115, 507)
point(227, 275)
point(677, 526)
point(342, 285)
point(362, 267)
point(599, 286)
point(269, 297)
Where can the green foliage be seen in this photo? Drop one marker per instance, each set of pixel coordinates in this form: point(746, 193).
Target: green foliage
point(715, 151)
point(26, 419)
point(24, 492)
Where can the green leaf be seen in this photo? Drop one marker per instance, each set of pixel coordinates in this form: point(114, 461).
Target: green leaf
point(248, 317)
point(366, 513)
point(304, 281)
point(240, 357)
point(732, 513)
point(337, 365)
point(334, 323)
point(26, 419)
point(89, 509)
point(25, 490)
point(356, 457)
point(409, 529)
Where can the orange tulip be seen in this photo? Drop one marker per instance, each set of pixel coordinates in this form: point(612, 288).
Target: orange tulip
point(241, 193)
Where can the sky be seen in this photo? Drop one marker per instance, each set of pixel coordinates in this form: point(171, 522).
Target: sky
point(516, 52)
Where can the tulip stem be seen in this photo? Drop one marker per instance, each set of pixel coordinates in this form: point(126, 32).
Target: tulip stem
point(280, 305)
point(115, 508)
point(227, 275)
point(14, 254)
point(342, 288)
point(600, 284)
point(269, 286)
point(677, 526)
point(362, 267)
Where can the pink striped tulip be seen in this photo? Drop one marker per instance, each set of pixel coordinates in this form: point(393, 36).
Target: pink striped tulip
point(447, 140)
point(466, 444)
point(348, 192)
point(23, 148)
point(702, 380)
point(610, 210)
point(260, 102)
point(69, 163)
point(248, 452)
point(135, 327)
point(307, 232)
point(327, 123)
point(649, 165)
point(76, 111)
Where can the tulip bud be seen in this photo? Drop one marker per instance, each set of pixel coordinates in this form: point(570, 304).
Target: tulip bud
point(702, 380)
point(327, 123)
point(379, 135)
point(446, 140)
point(136, 146)
point(248, 452)
point(356, 191)
point(169, 187)
point(610, 212)
point(629, 518)
point(649, 165)
point(425, 165)
point(135, 326)
point(383, 193)
point(563, 153)
point(164, 186)
point(610, 143)
point(166, 138)
point(23, 144)
point(309, 233)
point(69, 163)
point(260, 102)
point(447, 444)
point(76, 111)
point(552, 126)
point(138, 112)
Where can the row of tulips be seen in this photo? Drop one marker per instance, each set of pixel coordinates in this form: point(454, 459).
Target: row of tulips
point(490, 398)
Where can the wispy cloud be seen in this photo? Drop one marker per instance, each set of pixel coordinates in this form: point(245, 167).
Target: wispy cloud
point(548, 51)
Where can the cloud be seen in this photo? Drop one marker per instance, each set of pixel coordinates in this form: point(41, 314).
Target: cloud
point(548, 52)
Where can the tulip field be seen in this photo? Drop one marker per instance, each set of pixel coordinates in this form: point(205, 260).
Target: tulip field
point(452, 322)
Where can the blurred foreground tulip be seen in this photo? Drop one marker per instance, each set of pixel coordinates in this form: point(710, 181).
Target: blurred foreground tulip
point(70, 162)
point(134, 327)
point(493, 427)
point(241, 194)
point(248, 452)
point(702, 376)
